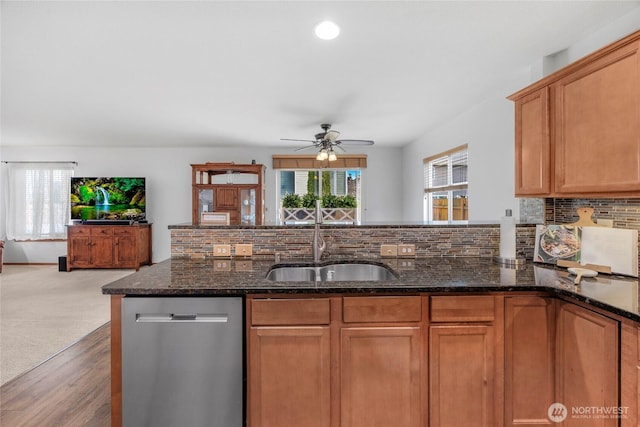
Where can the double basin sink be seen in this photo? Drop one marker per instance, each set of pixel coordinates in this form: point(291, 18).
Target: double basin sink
point(334, 272)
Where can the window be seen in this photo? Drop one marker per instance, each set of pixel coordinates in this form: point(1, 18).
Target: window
point(38, 204)
point(320, 183)
point(445, 187)
point(302, 178)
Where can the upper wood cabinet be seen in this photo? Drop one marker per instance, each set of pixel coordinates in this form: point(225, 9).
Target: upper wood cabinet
point(578, 130)
point(533, 146)
point(230, 189)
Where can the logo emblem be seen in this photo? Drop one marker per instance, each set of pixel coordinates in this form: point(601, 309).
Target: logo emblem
point(557, 412)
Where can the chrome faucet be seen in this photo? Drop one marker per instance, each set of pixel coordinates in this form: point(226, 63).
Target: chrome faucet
point(319, 245)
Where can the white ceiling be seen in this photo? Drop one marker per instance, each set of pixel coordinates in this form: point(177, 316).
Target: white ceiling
point(201, 73)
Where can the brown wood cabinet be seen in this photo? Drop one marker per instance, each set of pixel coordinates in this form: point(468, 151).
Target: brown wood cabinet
point(462, 362)
point(597, 125)
point(529, 378)
point(629, 373)
point(350, 362)
point(533, 144)
point(587, 365)
point(108, 246)
point(578, 129)
point(381, 367)
point(289, 363)
point(430, 360)
point(228, 188)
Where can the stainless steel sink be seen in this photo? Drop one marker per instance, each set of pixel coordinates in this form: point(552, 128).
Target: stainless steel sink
point(336, 272)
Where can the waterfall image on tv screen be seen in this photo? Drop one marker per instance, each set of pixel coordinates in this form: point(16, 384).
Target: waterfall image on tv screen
point(108, 198)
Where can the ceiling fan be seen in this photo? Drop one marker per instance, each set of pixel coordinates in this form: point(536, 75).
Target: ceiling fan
point(326, 141)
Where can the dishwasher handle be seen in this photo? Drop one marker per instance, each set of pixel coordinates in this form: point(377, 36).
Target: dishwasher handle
point(181, 317)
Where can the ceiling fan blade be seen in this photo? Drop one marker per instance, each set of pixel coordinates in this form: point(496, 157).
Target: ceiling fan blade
point(339, 148)
point(305, 148)
point(332, 135)
point(354, 142)
point(297, 140)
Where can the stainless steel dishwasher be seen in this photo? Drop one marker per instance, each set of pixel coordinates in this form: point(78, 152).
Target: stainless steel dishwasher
point(182, 362)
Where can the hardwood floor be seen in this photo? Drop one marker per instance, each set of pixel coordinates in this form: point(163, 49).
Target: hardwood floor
point(71, 389)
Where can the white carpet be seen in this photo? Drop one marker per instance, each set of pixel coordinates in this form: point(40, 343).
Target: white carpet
point(43, 311)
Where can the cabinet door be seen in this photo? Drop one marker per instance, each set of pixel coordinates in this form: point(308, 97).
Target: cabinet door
point(380, 377)
point(533, 161)
point(529, 361)
point(461, 376)
point(597, 126)
point(289, 376)
point(125, 248)
point(226, 198)
point(102, 251)
point(587, 365)
point(79, 248)
point(630, 373)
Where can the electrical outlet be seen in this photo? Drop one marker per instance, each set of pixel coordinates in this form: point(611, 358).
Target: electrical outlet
point(223, 251)
point(244, 250)
point(389, 251)
point(407, 251)
point(222, 265)
point(406, 264)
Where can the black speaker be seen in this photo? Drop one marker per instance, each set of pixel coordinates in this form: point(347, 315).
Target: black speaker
point(62, 263)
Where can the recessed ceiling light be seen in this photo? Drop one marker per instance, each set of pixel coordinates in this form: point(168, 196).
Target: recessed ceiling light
point(327, 30)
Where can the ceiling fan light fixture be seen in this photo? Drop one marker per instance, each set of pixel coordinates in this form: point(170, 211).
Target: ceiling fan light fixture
point(332, 156)
point(327, 30)
point(322, 155)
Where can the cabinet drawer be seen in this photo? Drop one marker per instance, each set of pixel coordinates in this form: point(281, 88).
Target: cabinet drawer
point(101, 231)
point(78, 231)
point(122, 231)
point(462, 308)
point(290, 312)
point(381, 309)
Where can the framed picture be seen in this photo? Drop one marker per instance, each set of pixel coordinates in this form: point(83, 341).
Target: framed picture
point(214, 218)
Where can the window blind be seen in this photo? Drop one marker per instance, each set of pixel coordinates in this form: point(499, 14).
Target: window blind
point(446, 171)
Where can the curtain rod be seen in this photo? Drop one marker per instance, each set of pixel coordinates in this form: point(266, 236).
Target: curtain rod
point(42, 161)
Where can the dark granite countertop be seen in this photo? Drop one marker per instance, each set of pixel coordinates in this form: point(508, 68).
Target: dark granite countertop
point(211, 277)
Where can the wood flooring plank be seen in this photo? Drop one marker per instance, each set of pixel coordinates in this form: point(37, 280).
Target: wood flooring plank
point(71, 389)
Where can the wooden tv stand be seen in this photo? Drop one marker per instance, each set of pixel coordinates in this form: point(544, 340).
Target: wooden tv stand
point(108, 246)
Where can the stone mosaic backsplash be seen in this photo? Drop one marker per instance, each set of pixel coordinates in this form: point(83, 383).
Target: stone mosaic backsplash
point(625, 213)
point(294, 242)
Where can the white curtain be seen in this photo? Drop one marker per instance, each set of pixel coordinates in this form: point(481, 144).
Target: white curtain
point(38, 201)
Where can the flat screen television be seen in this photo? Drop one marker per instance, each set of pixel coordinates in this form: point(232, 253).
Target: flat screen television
point(108, 199)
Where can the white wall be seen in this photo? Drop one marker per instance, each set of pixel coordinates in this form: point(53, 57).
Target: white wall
point(168, 178)
point(488, 128)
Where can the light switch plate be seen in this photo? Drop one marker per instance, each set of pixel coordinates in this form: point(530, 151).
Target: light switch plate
point(222, 251)
point(407, 250)
point(244, 250)
point(245, 265)
point(389, 251)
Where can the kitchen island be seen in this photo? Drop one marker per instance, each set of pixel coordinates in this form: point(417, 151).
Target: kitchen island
point(507, 343)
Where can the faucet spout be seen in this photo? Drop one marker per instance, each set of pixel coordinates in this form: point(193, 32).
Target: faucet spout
point(319, 245)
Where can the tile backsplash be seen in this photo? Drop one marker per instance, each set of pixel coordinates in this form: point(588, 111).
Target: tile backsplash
point(625, 213)
point(294, 242)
